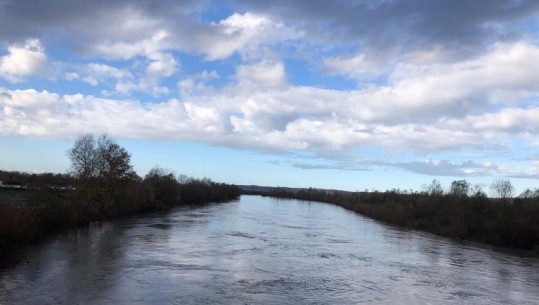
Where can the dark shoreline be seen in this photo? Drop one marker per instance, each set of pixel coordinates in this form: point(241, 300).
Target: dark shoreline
point(36, 216)
point(512, 225)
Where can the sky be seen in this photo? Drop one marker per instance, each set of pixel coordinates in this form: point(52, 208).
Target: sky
point(343, 94)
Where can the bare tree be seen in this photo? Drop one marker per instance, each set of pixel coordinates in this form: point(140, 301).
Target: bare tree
point(435, 188)
point(502, 188)
point(99, 158)
point(477, 191)
point(101, 168)
point(529, 194)
point(83, 157)
point(114, 162)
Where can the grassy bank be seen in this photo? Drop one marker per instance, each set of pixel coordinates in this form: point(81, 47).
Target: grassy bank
point(505, 223)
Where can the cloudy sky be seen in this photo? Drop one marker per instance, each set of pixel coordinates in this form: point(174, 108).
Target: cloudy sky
point(347, 94)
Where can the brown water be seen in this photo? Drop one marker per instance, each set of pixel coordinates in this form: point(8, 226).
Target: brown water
point(266, 251)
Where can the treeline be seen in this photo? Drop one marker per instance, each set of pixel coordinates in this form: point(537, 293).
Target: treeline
point(505, 222)
point(33, 180)
point(102, 185)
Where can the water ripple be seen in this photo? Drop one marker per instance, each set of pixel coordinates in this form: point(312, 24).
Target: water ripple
point(264, 251)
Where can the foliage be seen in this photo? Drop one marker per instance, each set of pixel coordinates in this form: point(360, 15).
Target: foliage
point(102, 185)
point(501, 223)
point(163, 187)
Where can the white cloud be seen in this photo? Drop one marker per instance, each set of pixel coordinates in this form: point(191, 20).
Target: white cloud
point(448, 168)
point(197, 83)
point(23, 60)
point(161, 65)
point(71, 76)
point(143, 84)
point(265, 74)
point(314, 121)
point(244, 33)
point(129, 49)
point(151, 46)
point(47, 114)
point(90, 80)
point(95, 74)
point(503, 75)
point(286, 119)
point(101, 70)
point(424, 107)
point(360, 66)
point(138, 77)
point(510, 121)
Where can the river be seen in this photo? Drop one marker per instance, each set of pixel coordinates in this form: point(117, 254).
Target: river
point(265, 251)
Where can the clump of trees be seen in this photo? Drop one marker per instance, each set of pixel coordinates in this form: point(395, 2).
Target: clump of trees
point(101, 185)
point(463, 212)
point(166, 190)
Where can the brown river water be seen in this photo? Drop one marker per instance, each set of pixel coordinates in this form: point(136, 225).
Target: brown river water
point(266, 251)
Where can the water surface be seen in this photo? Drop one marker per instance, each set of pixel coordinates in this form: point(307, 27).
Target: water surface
point(266, 251)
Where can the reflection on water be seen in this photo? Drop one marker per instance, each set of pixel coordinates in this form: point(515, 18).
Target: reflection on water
point(265, 251)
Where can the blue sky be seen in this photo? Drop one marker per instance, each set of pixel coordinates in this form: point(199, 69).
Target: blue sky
point(349, 94)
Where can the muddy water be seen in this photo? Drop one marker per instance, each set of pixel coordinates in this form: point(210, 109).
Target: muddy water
point(266, 251)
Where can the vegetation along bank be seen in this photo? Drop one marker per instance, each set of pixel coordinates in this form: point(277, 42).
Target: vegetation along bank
point(102, 185)
point(462, 212)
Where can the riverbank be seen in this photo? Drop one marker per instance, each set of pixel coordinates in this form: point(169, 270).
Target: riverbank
point(502, 223)
point(30, 216)
point(260, 250)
